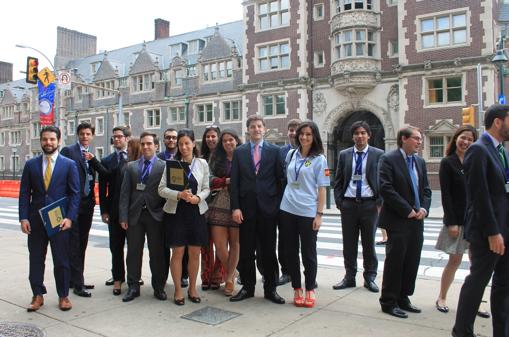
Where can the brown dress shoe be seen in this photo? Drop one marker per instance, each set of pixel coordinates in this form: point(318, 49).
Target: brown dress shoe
point(36, 304)
point(64, 304)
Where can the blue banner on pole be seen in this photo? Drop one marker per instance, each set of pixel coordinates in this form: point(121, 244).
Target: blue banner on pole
point(501, 99)
point(46, 103)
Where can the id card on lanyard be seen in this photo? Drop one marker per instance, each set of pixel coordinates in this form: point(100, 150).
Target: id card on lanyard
point(358, 166)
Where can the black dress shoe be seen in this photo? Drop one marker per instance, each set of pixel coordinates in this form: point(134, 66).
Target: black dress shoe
point(117, 291)
point(140, 282)
point(81, 292)
point(109, 282)
point(274, 297)
point(184, 282)
point(483, 314)
point(396, 312)
point(407, 306)
point(131, 295)
point(444, 309)
point(160, 295)
point(242, 295)
point(284, 279)
point(88, 286)
point(345, 283)
point(371, 286)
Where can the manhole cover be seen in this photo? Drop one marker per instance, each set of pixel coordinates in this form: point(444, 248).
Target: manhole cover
point(16, 329)
point(211, 315)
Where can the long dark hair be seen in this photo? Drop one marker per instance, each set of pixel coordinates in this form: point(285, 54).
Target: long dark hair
point(218, 159)
point(205, 150)
point(316, 145)
point(451, 147)
point(185, 133)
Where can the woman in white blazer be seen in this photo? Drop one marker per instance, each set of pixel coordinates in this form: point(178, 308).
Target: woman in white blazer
point(184, 221)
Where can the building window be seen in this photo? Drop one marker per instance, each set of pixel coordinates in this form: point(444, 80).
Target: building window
point(274, 105)
point(393, 48)
point(127, 118)
point(153, 118)
point(2, 163)
point(319, 59)
point(99, 126)
point(8, 112)
point(99, 153)
point(193, 47)
point(274, 57)
point(318, 13)
point(232, 111)
point(71, 126)
point(392, 2)
point(2, 138)
point(101, 93)
point(178, 114)
point(176, 50)
point(273, 14)
point(355, 43)
point(217, 71)
point(204, 113)
point(437, 145)
point(143, 83)
point(178, 77)
point(36, 129)
point(444, 90)
point(347, 5)
point(191, 71)
point(15, 164)
point(15, 137)
point(444, 31)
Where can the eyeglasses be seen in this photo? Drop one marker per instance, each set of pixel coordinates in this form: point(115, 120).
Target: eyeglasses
point(416, 138)
point(170, 137)
point(117, 136)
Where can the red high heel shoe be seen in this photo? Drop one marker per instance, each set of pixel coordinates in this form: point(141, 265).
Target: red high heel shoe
point(309, 302)
point(298, 299)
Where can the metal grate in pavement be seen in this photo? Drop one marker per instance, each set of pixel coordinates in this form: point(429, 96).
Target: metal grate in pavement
point(211, 315)
point(16, 329)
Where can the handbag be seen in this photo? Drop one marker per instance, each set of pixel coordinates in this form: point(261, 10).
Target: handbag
point(219, 212)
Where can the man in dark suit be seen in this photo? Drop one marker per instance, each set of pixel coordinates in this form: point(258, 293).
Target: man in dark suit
point(487, 225)
point(80, 153)
point(141, 213)
point(356, 195)
point(256, 177)
point(109, 197)
point(46, 179)
point(406, 194)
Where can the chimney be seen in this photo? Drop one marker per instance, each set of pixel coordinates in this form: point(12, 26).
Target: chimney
point(162, 29)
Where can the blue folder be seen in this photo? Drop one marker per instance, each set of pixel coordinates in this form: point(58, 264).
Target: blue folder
point(53, 214)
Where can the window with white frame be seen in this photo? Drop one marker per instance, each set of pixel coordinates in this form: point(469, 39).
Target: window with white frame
point(443, 31)
point(101, 93)
point(347, 5)
point(99, 126)
point(274, 56)
point(178, 114)
point(319, 59)
point(393, 48)
point(142, 82)
point(36, 129)
point(193, 47)
point(444, 90)
point(176, 49)
point(99, 153)
point(204, 113)
point(94, 66)
point(15, 164)
point(15, 137)
point(217, 70)
point(127, 118)
point(179, 74)
point(191, 71)
point(2, 163)
point(2, 138)
point(8, 112)
point(318, 11)
point(273, 105)
point(153, 118)
point(71, 126)
point(437, 145)
point(273, 14)
point(355, 43)
point(79, 94)
point(392, 2)
point(232, 111)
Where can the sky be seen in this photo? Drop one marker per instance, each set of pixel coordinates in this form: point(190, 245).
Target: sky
point(116, 24)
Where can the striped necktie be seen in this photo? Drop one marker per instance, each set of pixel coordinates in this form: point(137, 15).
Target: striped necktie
point(47, 173)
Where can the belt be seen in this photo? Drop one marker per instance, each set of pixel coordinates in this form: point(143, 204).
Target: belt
point(359, 200)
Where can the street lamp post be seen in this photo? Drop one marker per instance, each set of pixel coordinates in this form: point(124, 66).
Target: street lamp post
point(500, 59)
point(14, 150)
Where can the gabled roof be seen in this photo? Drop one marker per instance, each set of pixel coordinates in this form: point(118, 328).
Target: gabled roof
point(15, 89)
point(217, 48)
point(105, 71)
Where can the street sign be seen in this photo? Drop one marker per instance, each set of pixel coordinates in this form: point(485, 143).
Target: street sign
point(64, 80)
point(46, 76)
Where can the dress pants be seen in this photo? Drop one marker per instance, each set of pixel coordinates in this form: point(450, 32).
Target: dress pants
point(79, 240)
point(359, 217)
point(37, 247)
point(402, 257)
point(117, 243)
point(484, 264)
point(260, 228)
point(294, 228)
point(135, 243)
point(281, 255)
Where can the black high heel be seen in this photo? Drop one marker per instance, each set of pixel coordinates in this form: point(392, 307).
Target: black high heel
point(193, 299)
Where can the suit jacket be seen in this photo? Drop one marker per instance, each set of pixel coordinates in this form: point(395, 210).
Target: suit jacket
point(248, 189)
point(73, 152)
point(453, 187)
point(487, 200)
point(132, 200)
point(397, 192)
point(110, 182)
point(201, 174)
point(64, 183)
point(343, 173)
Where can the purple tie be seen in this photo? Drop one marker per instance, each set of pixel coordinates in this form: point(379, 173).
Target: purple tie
point(256, 157)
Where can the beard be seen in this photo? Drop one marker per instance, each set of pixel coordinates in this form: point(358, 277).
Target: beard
point(49, 149)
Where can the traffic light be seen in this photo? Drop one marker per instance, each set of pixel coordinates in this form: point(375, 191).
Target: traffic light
point(468, 116)
point(32, 70)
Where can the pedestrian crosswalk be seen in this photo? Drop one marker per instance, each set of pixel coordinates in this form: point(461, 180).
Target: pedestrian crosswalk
point(329, 245)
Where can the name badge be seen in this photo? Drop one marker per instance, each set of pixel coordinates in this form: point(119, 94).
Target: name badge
point(90, 177)
point(295, 185)
point(357, 177)
point(507, 187)
point(140, 187)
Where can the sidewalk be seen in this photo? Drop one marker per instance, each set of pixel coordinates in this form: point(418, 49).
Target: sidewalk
point(352, 312)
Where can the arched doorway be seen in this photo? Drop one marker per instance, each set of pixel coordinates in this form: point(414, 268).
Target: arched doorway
point(341, 137)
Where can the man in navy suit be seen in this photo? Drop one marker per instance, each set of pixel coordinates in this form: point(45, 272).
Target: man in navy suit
point(46, 179)
point(80, 153)
point(256, 178)
point(406, 197)
point(487, 225)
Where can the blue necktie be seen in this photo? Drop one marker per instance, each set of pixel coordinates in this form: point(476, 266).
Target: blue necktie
point(86, 189)
point(145, 172)
point(358, 171)
point(409, 162)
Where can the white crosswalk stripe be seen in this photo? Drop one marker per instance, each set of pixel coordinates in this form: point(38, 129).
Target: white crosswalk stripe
point(329, 245)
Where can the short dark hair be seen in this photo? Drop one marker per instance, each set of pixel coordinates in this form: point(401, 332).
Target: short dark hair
point(293, 123)
point(360, 124)
point(254, 118)
point(316, 145)
point(495, 111)
point(125, 130)
point(186, 133)
point(451, 147)
point(83, 126)
point(406, 132)
point(147, 133)
point(168, 130)
point(50, 128)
